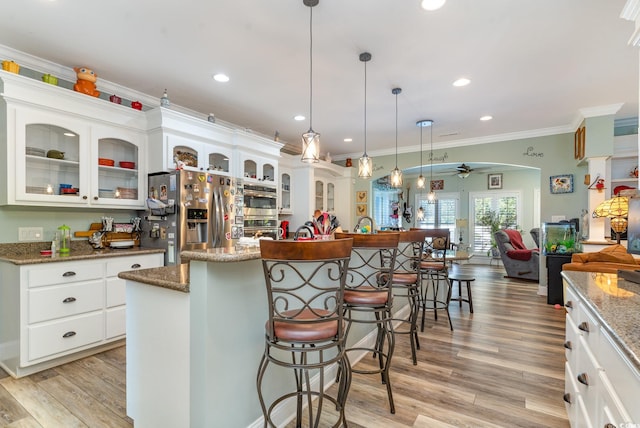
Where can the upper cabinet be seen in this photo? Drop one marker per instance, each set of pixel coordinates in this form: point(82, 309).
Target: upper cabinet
point(177, 140)
point(624, 163)
point(257, 158)
point(60, 151)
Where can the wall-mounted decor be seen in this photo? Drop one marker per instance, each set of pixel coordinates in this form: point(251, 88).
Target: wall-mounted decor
point(361, 196)
point(578, 143)
point(561, 183)
point(361, 209)
point(437, 184)
point(494, 181)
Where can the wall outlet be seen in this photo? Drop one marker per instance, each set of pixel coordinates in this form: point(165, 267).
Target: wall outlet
point(30, 234)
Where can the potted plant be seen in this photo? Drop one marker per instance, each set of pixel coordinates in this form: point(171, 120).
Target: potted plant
point(496, 221)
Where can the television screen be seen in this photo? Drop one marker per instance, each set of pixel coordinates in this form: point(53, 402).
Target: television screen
point(633, 226)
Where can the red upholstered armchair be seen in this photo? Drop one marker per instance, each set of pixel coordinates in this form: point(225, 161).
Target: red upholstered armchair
point(519, 261)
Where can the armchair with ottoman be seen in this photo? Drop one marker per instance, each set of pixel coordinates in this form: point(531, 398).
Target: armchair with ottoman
point(607, 260)
point(519, 261)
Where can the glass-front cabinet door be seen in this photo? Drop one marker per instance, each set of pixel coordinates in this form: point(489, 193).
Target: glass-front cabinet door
point(330, 197)
point(319, 195)
point(118, 168)
point(50, 159)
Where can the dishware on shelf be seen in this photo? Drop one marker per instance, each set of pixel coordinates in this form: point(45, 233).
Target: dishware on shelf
point(35, 151)
point(106, 162)
point(127, 164)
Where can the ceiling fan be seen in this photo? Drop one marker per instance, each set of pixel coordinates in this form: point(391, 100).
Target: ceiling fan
point(464, 170)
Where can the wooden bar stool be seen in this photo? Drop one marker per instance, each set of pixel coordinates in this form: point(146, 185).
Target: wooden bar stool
point(306, 331)
point(460, 278)
point(368, 297)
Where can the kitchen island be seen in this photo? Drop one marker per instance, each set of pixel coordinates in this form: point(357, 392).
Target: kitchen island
point(194, 344)
point(602, 372)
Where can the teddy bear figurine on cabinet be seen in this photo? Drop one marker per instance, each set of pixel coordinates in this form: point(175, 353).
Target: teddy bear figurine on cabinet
point(86, 81)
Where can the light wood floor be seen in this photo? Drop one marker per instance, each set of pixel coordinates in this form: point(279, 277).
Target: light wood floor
point(502, 366)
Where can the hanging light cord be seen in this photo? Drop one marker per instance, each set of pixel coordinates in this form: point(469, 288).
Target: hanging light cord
point(365, 108)
point(431, 154)
point(421, 126)
point(310, 67)
point(396, 130)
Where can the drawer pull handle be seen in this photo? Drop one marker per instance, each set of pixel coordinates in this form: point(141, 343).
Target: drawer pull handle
point(567, 344)
point(69, 300)
point(69, 334)
point(583, 379)
point(569, 304)
point(584, 326)
point(136, 266)
point(567, 398)
point(69, 273)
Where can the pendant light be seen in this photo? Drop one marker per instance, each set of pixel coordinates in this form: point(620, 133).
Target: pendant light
point(421, 180)
point(310, 139)
point(365, 164)
point(431, 196)
point(396, 174)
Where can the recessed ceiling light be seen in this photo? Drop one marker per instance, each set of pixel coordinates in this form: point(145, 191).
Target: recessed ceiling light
point(485, 118)
point(348, 140)
point(463, 81)
point(299, 117)
point(432, 4)
point(220, 77)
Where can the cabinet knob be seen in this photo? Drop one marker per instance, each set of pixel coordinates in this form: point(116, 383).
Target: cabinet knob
point(567, 398)
point(85, 197)
point(608, 425)
point(69, 300)
point(95, 198)
point(569, 304)
point(136, 266)
point(69, 273)
point(583, 379)
point(69, 334)
point(567, 344)
point(584, 326)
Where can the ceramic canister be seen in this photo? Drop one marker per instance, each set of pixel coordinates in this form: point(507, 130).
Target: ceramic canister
point(10, 66)
point(48, 78)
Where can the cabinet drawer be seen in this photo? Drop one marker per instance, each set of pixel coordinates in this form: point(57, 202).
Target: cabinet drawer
point(587, 379)
point(145, 261)
point(47, 303)
point(571, 304)
point(116, 292)
point(622, 375)
point(64, 273)
point(571, 344)
point(116, 322)
point(613, 411)
point(570, 392)
point(589, 329)
point(48, 339)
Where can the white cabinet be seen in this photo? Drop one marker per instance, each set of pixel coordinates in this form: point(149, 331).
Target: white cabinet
point(179, 140)
point(286, 192)
point(601, 385)
point(59, 311)
point(258, 169)
point(624, 161)
point(65, 149)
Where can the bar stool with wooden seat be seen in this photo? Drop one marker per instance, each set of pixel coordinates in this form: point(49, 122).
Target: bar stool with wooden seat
point(368, 297)
point(407, 280)
point(436, 293)
point(306, 331)
point(460, 278)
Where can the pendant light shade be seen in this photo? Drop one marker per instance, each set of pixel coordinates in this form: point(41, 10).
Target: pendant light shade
point(431, 196)
point(310, 139)
point(421, 180)
point(365, 164)
point(396, 174)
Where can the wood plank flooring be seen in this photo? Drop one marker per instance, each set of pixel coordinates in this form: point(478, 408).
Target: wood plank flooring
point(502, 366)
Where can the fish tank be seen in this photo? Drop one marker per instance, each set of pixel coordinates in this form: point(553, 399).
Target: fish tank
point(559, 238)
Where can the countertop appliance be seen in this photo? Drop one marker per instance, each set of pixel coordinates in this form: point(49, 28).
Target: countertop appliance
point(191, 210)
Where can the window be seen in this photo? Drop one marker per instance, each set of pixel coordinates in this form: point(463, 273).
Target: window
point(441, 215)
point(503, 208)
point(386, 208)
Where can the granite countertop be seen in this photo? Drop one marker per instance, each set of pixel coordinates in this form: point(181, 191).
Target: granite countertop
point(171, 277)
point(616, 302)
point(23, 253)
point(222, 254)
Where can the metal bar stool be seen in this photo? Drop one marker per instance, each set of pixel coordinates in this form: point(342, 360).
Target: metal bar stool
point(368, 297)
point(407, 280)
point(434, 268)
point(306, 330)
point(460, 278)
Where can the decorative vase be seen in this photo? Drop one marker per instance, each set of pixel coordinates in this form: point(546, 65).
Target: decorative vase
point(11, 67)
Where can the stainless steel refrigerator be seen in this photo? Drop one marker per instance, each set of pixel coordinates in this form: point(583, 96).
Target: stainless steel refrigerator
point(191, 210)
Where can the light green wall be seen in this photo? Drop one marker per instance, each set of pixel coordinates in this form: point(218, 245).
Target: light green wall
point(12, 217)
point(598, 136)
point(550, 155)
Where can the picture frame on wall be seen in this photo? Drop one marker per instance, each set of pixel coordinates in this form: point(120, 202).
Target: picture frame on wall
point(561, 183)
point(494, 181)
point(437, 185)
point(361, 196)
point(361, 209)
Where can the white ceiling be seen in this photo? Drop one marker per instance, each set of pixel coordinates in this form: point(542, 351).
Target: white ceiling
point(533, 64)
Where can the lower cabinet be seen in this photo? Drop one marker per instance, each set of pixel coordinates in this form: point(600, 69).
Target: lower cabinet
point(52, 313)
point(601, 385)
